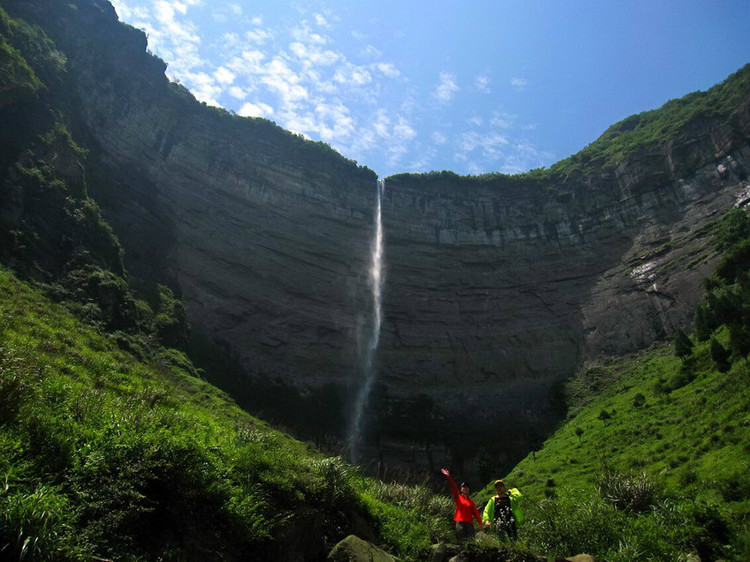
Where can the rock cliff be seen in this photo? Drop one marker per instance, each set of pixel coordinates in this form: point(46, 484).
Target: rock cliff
point(497, 287)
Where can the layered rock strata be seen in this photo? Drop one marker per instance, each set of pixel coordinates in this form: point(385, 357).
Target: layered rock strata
point(496, 288)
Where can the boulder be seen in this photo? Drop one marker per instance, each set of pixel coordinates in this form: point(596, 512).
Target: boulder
point(354, 549)
point(582, 558)
point(442, 552)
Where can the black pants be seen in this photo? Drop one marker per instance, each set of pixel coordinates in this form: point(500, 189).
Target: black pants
point(506, 525)
point(464, 531)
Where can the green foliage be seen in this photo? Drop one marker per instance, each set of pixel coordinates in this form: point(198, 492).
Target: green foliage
point(638, 133)
point(37, 49)
point(170, 323)
point(17, 79)
point(639, 400)
point(627, 492)
point(33, 524)
point(683, 345)
point(674, 462)
point(727, 299)
point(107, 454)
point(484, 549)
point(668, 530)
point(732, 228)
point(720, 355)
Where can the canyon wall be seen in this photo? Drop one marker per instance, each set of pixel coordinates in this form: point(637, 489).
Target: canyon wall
point(497, 287)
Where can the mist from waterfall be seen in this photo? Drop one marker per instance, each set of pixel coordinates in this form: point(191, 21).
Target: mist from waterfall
point(367, 352)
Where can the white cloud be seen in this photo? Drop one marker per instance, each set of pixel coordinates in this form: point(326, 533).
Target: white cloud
point(488, 144)
point(482, 83)
point(519, 83)
point(259, 109)
point(502, 121)
point(297, 75)
point(283, 81)
point(371, 51)
point(204, 87)
point(447, 88)
point(237, 93)
point(224, 76)
point(314, 55)
point(123, 11)
point(387, 69)
point(352, 75)
point(259, 36)
point(439, 138)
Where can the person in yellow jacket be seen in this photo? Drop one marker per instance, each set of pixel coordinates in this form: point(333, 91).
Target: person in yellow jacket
point(503, 511)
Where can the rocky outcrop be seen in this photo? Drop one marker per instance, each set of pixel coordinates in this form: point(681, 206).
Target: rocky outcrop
point(497, 288)
point(354, 549)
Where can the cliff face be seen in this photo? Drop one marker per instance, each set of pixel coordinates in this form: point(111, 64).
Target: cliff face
point(496, 288)
point(499, 289)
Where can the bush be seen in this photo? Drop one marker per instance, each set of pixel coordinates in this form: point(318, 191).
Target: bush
point(337, 482)
point(571, 525)
point(34, 525)
point(627, 492)
point(720, 355)
point(13, 387)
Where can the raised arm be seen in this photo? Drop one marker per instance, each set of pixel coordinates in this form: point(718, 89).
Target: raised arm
point(454, 488)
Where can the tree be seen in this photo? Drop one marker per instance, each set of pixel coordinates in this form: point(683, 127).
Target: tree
point(720, 355)
point(683, 345)
point(739, 340)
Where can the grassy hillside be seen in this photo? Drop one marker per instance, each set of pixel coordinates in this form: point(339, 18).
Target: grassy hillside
point(653, 461)
point(104, 454)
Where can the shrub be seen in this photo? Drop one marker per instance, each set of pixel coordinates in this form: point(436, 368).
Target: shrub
point(338, 482)
point(34, 525)
point(627, 492)
point(484, 551)
point(571, 525)
point(720, 355)
point(683, 346)
point(13, 387)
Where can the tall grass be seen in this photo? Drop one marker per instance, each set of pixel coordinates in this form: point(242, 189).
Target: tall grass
point(107, 454)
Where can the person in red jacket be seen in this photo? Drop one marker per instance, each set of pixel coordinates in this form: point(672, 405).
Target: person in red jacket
point(466, 509)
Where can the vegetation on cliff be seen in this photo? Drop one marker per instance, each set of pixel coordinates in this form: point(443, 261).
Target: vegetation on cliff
point(103, 453)
point(649, 131)
point(653, 460)
point(639, 134)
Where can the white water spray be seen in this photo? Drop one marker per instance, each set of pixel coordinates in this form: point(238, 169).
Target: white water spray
point(373, 336)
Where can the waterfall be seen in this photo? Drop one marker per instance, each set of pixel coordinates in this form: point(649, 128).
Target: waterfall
point(367, 353)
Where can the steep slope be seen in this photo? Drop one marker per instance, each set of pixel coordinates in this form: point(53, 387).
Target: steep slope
point(266, 235)
point(108, 455)
point(497, 287)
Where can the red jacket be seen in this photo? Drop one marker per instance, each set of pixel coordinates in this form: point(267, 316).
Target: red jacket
point(466, 509)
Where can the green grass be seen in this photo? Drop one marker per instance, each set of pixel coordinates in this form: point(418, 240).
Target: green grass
point(103, 454)
point(640, 472)
point(653, 460)
point(702, 425)
point(678, 435)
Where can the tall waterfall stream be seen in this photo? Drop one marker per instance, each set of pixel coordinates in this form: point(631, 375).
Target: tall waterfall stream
point(367, 353)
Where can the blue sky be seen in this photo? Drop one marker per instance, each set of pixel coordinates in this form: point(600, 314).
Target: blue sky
point(472, 86)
